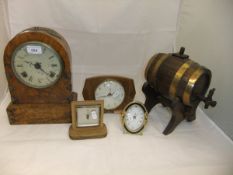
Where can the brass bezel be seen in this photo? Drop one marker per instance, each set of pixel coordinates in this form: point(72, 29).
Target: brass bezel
point(77, 104)
point(44, 44)
point(145, 118)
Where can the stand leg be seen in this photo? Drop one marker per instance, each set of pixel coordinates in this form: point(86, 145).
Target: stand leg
point(177, 116)
point(177, 107)
point(151, 96)
point(190, 113)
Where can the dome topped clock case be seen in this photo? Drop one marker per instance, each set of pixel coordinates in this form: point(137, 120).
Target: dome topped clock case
point(37, 66)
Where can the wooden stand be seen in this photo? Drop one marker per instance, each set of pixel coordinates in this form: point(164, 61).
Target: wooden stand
point(80, 133)
point(179, 110)
point(40, 113)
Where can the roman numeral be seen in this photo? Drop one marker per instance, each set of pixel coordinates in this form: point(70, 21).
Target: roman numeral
point(20, 57)
point(52, 74)
point(24, 74)
point(53, 65)
point(30, 79)
point(51, 57)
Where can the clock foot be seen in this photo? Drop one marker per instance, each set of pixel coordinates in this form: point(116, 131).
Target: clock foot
point(88, 132)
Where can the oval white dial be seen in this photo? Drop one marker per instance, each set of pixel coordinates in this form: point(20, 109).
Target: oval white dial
point(36, 64)
point(134, 118)
point(112, 92)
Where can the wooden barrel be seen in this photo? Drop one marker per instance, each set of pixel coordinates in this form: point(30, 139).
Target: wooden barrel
point(175, 75)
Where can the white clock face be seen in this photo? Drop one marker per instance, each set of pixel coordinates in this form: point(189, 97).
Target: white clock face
point(36, 64)
point(112, 92)
point(88, 116)
point(134, 118)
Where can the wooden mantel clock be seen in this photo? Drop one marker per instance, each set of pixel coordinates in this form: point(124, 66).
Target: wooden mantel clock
point(37, 66)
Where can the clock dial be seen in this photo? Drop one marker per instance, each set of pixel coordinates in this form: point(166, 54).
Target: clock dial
point(36, 64)
point(134, 117)
point(112, 92)
point(88, 116)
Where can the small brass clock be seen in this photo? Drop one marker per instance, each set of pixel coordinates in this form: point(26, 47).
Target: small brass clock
point(116, 91)
point(134, 117)
point(87, 120)
point(37, 66)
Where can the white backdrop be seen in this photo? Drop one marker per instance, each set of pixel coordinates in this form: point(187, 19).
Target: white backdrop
point(4, 37)
point(206, 30)
point(112, 37)
point(106, 37)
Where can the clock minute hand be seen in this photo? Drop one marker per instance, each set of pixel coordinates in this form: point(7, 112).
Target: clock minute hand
point(109, 94)
point(44, 71)
point(38, 66)
point(29, 63)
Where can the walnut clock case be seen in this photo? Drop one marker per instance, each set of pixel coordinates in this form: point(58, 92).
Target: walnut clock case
point(37, 66)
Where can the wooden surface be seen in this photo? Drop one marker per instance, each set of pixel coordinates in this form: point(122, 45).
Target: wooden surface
point(92, 83)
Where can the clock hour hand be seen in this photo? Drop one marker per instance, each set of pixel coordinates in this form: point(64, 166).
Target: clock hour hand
point(102, 96)
point(38, 66)
point(115, 94)
point(30, 63)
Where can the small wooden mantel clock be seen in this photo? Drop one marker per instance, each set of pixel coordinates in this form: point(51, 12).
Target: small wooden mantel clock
point(87, 120)
point(37, 66)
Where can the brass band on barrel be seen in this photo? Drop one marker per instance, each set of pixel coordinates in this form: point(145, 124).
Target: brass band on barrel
point(189, 87)
point(157, 66)
point(180, 72)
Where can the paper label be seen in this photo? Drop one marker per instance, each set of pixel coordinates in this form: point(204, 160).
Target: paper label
point(94, 115)
point(34, 49)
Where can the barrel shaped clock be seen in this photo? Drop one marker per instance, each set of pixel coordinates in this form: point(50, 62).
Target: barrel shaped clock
point(179, 83)
point(37, 67)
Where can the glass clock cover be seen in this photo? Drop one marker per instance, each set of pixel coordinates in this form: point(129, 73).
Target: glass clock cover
point(36, 64)
point(88, 116)
point(112, 92)
point(134, 117)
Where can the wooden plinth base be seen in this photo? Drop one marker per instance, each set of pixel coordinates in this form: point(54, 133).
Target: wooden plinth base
point(88, 132)
point(39, 113)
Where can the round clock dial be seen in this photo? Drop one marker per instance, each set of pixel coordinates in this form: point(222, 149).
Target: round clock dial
point(36, 64)
point(134, 117)
point(112, 92)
